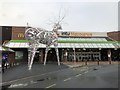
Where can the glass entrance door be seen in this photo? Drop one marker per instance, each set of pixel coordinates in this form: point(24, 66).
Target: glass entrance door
point(81, 56)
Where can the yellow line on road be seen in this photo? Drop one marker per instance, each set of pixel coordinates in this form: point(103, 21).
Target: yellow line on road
point(51, 86)
point(67, 79)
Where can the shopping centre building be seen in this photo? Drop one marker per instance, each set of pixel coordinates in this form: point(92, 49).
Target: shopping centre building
point(72, 46)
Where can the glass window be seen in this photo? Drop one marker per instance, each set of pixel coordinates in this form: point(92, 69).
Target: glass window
point(18, 55)
point(26, 44)
point(11, 44)
point(95, 46)
point(17, 45)
point(81, 45)
point(90, 45)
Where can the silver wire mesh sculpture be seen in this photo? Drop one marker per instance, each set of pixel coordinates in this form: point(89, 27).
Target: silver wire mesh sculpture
point(35, 36)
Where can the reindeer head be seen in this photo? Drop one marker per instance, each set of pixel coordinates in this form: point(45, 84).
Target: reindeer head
point(57, 26)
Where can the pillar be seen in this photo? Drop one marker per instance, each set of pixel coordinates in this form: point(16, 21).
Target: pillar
point(109, 56)
point(41, 56)
point(74, 55)
point(65, 55)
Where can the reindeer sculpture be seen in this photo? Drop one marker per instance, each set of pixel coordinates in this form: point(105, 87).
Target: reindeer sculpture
point(35, 36)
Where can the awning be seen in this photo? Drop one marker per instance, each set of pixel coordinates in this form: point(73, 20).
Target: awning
point(2, 49)
point(63, 45)
point(69, 43)
point(5, 49)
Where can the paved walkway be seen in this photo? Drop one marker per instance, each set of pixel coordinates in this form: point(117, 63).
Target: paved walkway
point(22, 71)
point(104, 75)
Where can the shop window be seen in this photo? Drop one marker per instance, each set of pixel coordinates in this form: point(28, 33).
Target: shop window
point(18, 55)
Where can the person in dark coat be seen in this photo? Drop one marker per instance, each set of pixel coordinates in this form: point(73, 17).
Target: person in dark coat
point(3, 65)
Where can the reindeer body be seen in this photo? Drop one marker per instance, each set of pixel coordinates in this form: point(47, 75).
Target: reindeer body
point(48, 38)
point(37, 36)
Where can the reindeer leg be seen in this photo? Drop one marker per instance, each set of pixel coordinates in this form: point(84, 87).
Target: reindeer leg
point(29, 57)
point(57, 53)
point(32, 58)
point(46, 51)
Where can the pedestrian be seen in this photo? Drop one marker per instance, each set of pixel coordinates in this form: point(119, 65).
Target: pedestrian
point(3, 65)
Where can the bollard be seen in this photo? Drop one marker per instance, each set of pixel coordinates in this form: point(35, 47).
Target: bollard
point(85, 62)
point(110, 62)
point(98, 62)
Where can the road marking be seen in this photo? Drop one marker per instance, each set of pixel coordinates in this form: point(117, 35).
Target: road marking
point(32, 82)
point(51, 86)
point(86, 72)
point(78, 75)
point(66, 79)
point(17, 85)
point(31, 77)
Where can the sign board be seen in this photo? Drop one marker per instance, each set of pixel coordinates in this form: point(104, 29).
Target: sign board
point(18, 33)
point(83, 34)
point(80, 34)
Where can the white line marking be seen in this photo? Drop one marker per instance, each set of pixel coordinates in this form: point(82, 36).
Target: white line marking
point(86, 72)
point(51, 86)
point(31, 77)
point(32, 82)
point(66, 79)
point(17, 85)
point(78, 75)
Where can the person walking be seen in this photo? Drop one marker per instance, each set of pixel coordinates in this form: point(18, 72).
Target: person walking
point(3, 65)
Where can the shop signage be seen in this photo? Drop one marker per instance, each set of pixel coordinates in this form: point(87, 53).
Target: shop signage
point(83, 34)
point(20, 35)
point(65, 33)
point(80, 34)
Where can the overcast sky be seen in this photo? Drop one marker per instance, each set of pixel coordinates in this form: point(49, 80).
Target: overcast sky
point(81, 15)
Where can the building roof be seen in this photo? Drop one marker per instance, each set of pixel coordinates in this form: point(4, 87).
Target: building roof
point(5, 49)
point(70, 43)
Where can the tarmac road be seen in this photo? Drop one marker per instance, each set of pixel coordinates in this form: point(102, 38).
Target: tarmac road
point(102, 76)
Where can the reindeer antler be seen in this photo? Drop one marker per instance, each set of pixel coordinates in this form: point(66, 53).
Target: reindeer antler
point(60, 19)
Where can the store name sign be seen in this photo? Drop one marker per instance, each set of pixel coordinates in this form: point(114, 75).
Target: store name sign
point(20, 35)
point(83, 34)
point(80, 34)
point(65, 33)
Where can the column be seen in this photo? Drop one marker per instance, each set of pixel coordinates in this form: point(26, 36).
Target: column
point(65, 55)
point(74, 55)
point(109, 56)
point(41, 56)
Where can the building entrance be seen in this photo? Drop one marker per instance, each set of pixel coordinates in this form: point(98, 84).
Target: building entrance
point(51, 56)
point(81, 56)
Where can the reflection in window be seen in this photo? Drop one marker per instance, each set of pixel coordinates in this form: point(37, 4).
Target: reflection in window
point(18, 55)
